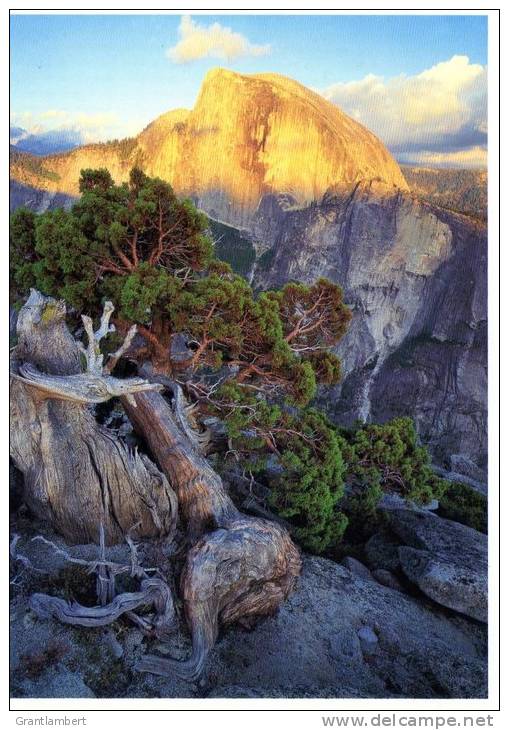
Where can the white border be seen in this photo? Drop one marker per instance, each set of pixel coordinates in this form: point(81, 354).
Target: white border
point(320, 706)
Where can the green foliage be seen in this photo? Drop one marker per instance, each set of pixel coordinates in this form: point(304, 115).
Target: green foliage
point(22, 255)
point(133, 243)
point(319, 461)
point(328, 481)
point(310, 486)
point(461, 503)
point(65, 260)
point(385, 458)
point(388, 458)
point(148, 251)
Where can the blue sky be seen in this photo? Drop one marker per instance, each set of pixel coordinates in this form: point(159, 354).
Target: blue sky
point(110, 74)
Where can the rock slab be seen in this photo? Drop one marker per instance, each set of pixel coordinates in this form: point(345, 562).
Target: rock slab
point(446, 560)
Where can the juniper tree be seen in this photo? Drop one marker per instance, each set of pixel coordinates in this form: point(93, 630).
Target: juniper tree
point(149, 252)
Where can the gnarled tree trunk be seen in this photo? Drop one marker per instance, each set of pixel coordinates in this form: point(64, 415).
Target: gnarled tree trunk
point(77, 474)
point(239, 567)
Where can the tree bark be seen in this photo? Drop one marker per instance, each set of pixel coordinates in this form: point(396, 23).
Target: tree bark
point(238, 567)
point(77, 474)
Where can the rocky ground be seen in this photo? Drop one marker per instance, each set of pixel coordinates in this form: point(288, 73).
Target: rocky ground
point(408, 622)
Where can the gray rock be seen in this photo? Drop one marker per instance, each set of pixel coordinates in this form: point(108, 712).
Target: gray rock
point(448, 583)
point(180, 352)
point(420, 652)
point(463, 465)
point(391, 500)
point(273, 466)
point(133, 640)
point(311, 648)
point(368, 640)
point(113, 645)
point(454, 476)
point(431, 506)
point(447, 560)
point(58, 683)
point(345, 645)
point(388, 579)
point(357, 568)
point(382, 551)
point(36, 199)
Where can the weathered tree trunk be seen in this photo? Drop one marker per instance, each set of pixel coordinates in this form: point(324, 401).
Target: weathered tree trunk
point(77, 474)
point(239, 567)
point(203, 501)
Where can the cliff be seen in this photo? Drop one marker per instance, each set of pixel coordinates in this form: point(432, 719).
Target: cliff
point(247, 136)
point(415, 278)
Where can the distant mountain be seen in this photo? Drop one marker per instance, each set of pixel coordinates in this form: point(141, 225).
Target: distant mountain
point(246, 136)
point(16, 133)
point(45, 143)
point(462, 191)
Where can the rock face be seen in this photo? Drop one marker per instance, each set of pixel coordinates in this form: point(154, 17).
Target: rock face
point(246, 136)
point(415, 278)
point(36, 199)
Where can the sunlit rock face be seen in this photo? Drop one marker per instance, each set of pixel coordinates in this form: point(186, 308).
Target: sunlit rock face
point(415, 278)
point(246, 136)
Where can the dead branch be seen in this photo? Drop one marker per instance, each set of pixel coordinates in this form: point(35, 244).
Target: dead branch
point(124, 347)
point(154, 593)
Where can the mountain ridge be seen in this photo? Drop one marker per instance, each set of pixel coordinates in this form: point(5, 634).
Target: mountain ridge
point(246, 136)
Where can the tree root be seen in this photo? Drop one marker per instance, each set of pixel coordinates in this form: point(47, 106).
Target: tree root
point(154, 592)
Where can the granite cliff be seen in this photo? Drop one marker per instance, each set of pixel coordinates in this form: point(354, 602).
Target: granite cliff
point(415, 277)
point(245, 137)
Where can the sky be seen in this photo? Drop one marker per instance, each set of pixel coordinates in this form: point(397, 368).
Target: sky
point(418, 82)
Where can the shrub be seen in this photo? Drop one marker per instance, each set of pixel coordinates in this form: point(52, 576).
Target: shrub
point(388, 458)
point(463, 504)
point(310, 487)
point(385, 458)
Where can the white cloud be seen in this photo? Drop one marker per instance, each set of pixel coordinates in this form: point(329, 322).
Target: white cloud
point(442, 109)
point(474, 157)
point(213, 41)
point(86, 127)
